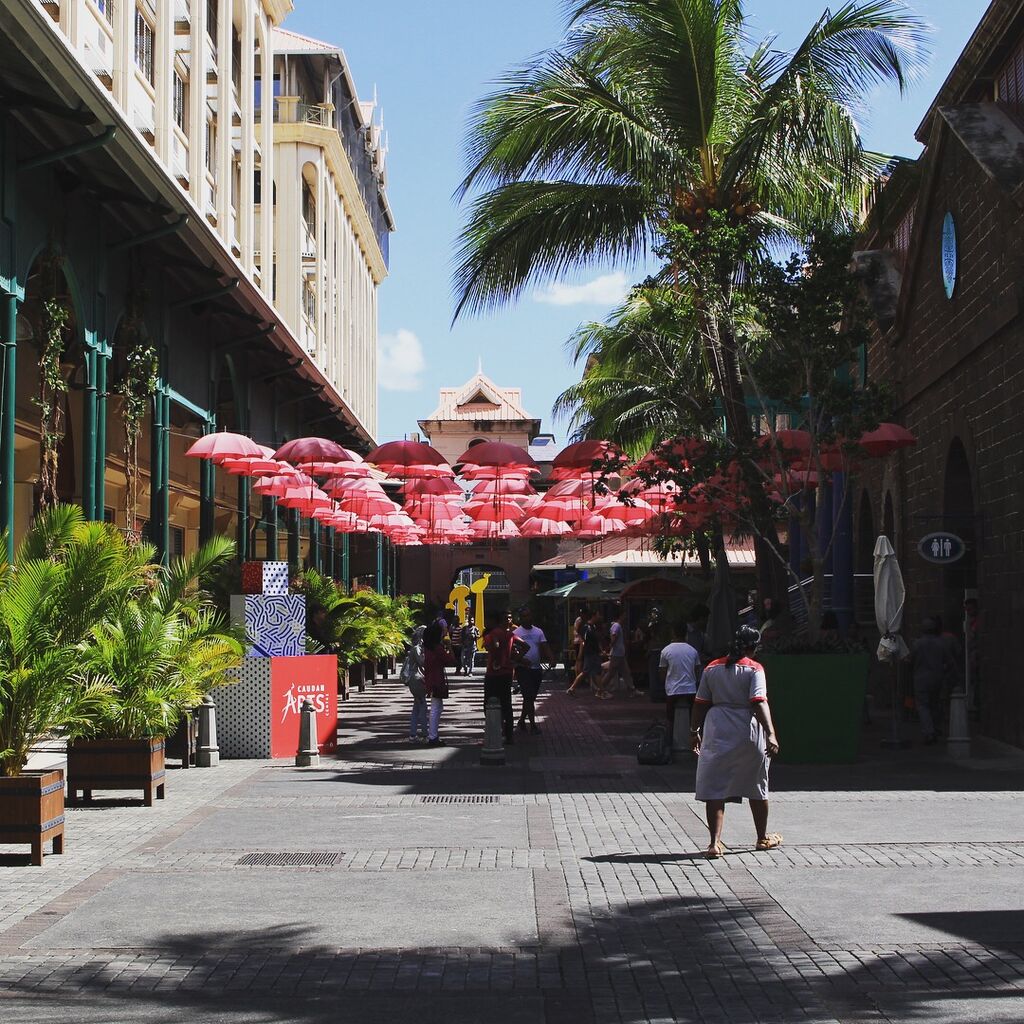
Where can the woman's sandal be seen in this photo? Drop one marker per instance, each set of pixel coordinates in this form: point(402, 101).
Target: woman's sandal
point(770, 841)
point(715, 852)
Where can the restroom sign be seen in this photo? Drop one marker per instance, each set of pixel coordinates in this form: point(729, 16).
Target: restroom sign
point(941, 548)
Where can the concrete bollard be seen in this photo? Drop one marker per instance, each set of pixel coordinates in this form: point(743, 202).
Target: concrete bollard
point(681, 742)
point(494, 736)
point(308, 755)
point(207, 753)
point(959, 742)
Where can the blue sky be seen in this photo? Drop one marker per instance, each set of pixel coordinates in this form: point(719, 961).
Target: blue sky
point(430, 61)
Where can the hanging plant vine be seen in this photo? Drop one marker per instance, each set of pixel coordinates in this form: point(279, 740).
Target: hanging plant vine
point(52, 389)
point(136, 387)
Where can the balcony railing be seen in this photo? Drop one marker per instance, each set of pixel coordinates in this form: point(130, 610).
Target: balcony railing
point(288, 110)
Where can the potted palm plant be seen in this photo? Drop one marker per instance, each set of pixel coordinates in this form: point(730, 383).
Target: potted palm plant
point(160, 652)
point(66, 575)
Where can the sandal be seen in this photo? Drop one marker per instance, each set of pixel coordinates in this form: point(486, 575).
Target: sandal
point(770, 841)
point(715, 852)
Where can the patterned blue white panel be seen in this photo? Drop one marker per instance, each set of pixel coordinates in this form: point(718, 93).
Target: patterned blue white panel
point(275, 625)
point(275, 579)
point(243, 712)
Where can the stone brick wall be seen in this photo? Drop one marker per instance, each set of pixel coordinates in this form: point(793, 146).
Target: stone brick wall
point(957, 368)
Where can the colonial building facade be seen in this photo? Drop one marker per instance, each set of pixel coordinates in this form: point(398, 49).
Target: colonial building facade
point(188, 177)
point(944, 261)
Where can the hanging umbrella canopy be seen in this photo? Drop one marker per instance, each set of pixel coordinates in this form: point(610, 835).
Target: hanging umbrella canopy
point(494, 510)
point(668, 454)
point(305, 499)
point(886, 438)
point(498, 454)
point(471, 471)
point(594, 527)
point(252, 465)
point(572, 488)
point(336, 469)
point(504, 530)
point(433, 486)
point(590, 457)
point(636, 512)
point(536, 527)
point(559, 510)
point(503, 485)
point(343, 486)
point(224, 445)
point(400, 455)
point(311, 450)
point(275, 486)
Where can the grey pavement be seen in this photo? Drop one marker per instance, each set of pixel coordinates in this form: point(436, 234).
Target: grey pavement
point(404, 883)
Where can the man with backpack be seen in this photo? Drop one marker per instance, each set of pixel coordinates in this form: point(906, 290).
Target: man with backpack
point(504, 652)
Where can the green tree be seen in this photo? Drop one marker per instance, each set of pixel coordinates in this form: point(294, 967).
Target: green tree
point(654, 126)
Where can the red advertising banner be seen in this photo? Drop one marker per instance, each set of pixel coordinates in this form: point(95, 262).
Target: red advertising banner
point(312, 677)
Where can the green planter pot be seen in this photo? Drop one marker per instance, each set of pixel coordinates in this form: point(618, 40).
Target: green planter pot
point(817, 703)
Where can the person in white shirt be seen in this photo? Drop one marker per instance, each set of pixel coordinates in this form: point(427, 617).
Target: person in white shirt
point(679, 667)
point(529, 671)
point(618, 664)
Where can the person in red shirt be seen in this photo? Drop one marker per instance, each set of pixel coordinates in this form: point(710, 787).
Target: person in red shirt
point(435, 659)
point(504, 651)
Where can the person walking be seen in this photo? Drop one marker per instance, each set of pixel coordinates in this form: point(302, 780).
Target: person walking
point(679, 666)
point(618, 674)
point(733, 736)
point(590, 654)
point(503, 652)
point(529, 671)
point(435, 658)
point(933, 665)
point(657, 638)
point(467, 653)
point(412, 676)
point(455, 642)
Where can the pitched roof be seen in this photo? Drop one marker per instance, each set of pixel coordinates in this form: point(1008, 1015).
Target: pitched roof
point(285, 41)
point(480, 399)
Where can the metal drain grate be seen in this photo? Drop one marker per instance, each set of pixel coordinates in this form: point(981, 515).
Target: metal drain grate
point(290, 860)
point(458, 799)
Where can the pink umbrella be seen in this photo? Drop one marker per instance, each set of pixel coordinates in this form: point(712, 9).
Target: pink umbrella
point(583, 456)
point(544, 528)
point(313, 449)
point(593, 527)
point(504, 485)
point(405, 453)
point(224, 445)
point(305, 499)
point(497, 453)
point(494, 510)
point(638, 512)
point(504, 530)
point(560, 511)
point(435, 486)
point(333, 469)
point(251, 465)
point(470, 471)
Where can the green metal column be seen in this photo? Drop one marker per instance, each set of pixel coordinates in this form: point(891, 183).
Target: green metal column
point(380, 563)
point(159, 527)
point(329, 561)
point(103, 354)
point(293, 540)
point(165, 481)
point(270, 519)
point(8, 395)
point(314, 544)
point(346, 577)
point(243, 518)
point(207, 483)
point(89, 433)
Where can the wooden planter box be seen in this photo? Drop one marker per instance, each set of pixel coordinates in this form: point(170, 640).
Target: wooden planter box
point(32, 811)
point(116, 764)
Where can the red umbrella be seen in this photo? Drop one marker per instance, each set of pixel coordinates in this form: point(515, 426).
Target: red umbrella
point(305, 499)
point(504, 485)
point(436, 485)
point(251, 465)
point(353, 485)
point(886, 438)
point(470, 471)
point(404, 454)
point(506, 530)
point(594, 527)
point(497, 453)
point(668, 453)
point(223, 445)
point(544, 528)
point(494, 511)
point(638, 512)
point(558, 510)
point(312, 449)
point(590, 456)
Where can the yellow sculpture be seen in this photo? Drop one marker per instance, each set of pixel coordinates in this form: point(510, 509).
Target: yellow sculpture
point(457, 601)
point(478, 587)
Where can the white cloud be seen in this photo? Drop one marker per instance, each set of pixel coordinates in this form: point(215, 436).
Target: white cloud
point(401, 361)
point(606, 290)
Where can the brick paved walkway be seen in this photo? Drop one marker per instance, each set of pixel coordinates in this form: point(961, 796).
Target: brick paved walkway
point(565, 887)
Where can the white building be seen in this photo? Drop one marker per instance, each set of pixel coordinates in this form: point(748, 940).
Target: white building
point(190, 76)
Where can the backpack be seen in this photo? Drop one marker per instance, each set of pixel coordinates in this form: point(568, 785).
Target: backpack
point(412, 667)
point(655, 747)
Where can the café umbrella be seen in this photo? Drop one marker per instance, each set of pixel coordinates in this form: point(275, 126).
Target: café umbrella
point(890, 595)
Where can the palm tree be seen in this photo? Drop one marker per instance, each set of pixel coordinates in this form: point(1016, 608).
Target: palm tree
point(653, 116)
point(645, 376)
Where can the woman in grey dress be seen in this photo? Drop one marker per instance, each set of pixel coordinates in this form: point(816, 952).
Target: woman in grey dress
point(733, 734)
